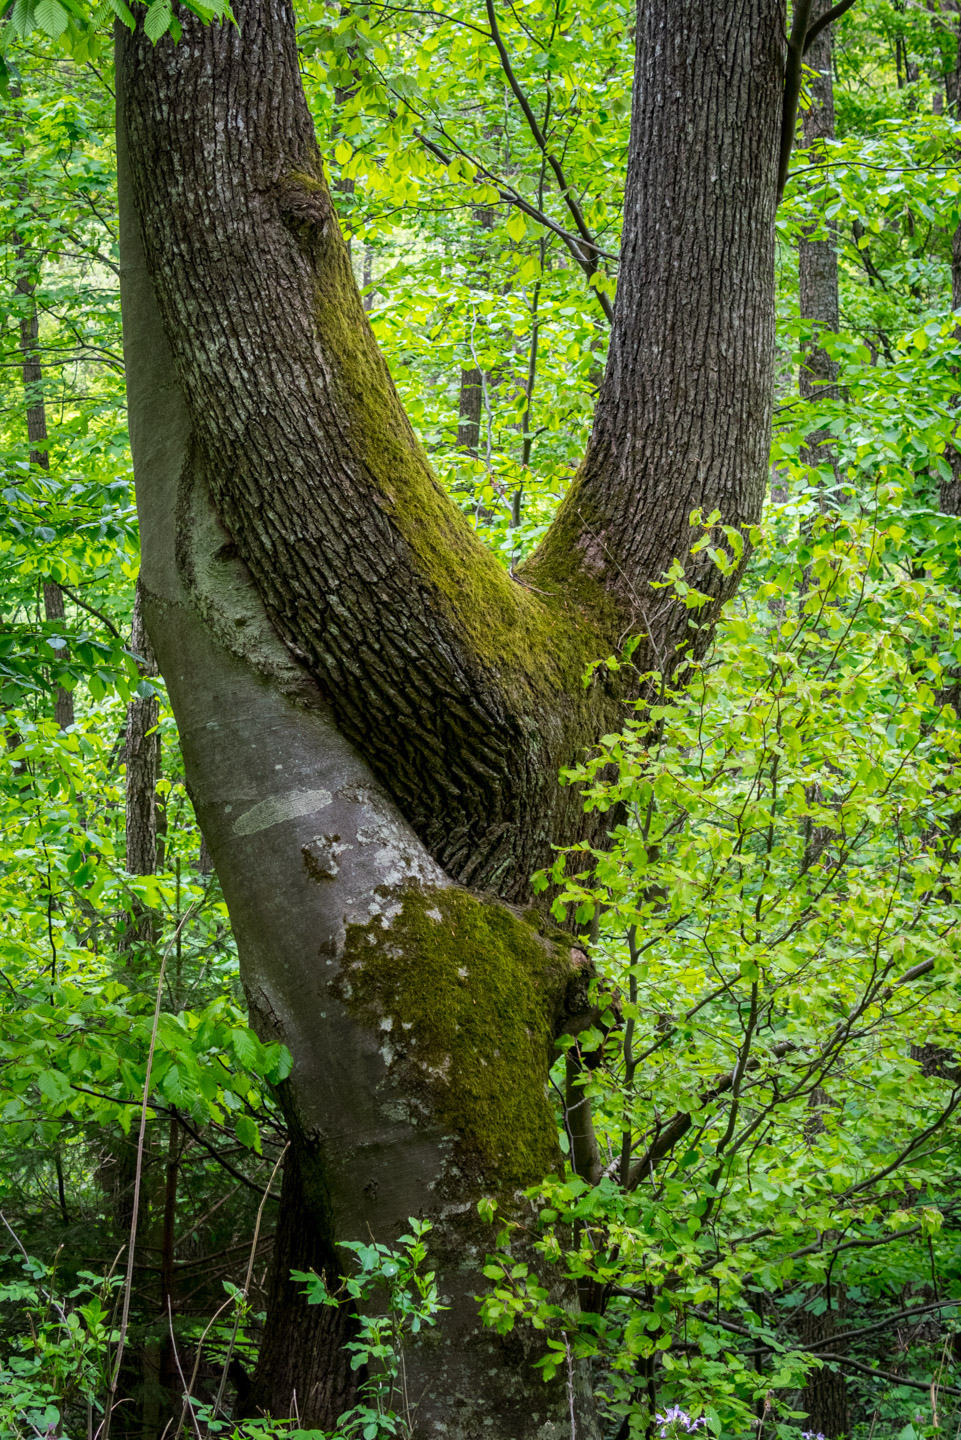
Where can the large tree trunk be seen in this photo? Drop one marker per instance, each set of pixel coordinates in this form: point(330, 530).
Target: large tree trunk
point(372, 712)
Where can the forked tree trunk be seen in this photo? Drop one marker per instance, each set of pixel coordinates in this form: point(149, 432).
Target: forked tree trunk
point(372, 712)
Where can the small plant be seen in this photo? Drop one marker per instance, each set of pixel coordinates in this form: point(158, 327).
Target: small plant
point(53, 1371)
point(412, 1303)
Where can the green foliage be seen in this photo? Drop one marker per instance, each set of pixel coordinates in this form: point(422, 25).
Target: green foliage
point(778, 921)
point(773, 1063)
point(57, 1360)
point(388, 1281)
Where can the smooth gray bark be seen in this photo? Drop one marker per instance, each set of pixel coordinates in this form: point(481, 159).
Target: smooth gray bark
point(306, 844)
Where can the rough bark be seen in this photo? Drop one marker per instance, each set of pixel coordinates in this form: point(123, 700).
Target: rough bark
point(142, 757)
point(32, 371)
point(469, 407)
point(818, 258)
point(825, 1396)
point(142, 754)
point(459, 684)
point(683, 414)
point(420, 1018)
point(951, 489)
point(372, 713)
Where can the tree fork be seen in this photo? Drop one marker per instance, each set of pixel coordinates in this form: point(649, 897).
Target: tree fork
point(371, 712)
point(458, 683)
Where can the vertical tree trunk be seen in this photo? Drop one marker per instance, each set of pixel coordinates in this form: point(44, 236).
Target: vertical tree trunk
point(470, 404)
point(372, 713)
point(951, 489)
point(818, 258)
point(32, 371)
point(142, 756)
point(469, 410)
point(825, 1396)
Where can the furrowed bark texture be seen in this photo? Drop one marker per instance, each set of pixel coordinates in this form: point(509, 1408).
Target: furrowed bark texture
point(420, 1017)
point(459, 684)
point(142, 764)
point(469, 411)
point(683, 416)
point(142, 757)
point(818, 258)
point(372, 713)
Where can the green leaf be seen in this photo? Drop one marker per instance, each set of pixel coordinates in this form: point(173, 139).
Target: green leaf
point(516, 226)
point(157, 20)
point(51, 17)
point(248, 1132)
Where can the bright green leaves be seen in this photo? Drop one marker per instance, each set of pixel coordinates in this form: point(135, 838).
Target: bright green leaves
point(516, 225)
point(85, 28)
point(48, 15)
point(397, 1299)
point(779, 916)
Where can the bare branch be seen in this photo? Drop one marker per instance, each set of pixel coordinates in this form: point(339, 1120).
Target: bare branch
point(828, 18)
point(589, 264)
point(793, 71)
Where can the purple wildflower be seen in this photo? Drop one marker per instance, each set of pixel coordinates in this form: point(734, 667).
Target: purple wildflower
point(678, 1417)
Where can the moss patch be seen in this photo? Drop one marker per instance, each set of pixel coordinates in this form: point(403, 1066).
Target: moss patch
point(467, 997)
point(543, 637)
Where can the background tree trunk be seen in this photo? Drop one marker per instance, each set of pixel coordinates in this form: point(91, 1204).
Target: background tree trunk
point(32, 371)
point(469, 408)
point(142, 751)
point(818, 258)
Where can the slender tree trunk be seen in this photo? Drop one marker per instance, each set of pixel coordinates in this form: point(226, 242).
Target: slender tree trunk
point(469, 410)
point(951, 489)
point(818, 258)
point(372, 712)
point(142, 756)
point(470, 404)
point(32, 371)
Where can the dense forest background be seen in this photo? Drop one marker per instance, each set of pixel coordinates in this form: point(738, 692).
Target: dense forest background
point(765, 1223)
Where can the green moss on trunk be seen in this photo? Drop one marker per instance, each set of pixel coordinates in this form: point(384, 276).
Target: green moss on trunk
point(468, 997)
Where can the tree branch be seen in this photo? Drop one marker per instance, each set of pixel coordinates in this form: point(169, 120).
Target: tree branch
point(589, 264)
point(888, 1375)
point(848, 1335)
point(793, 71)
point(835, 13)
point(747, 1334)
point(511, 196)
point(92, 610)
point(802, 37)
